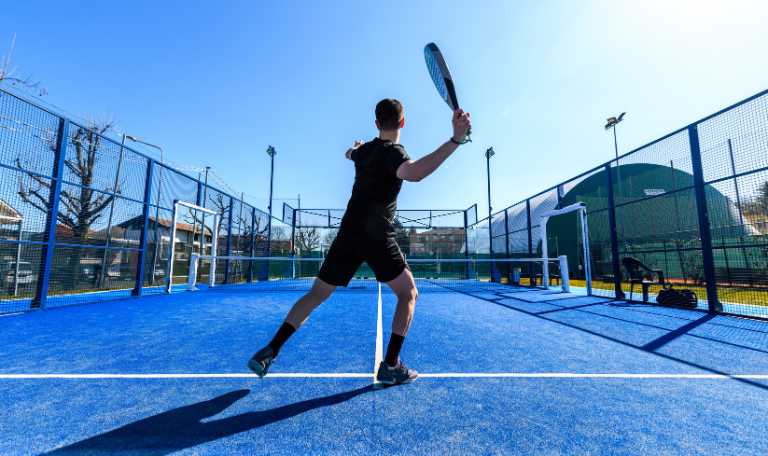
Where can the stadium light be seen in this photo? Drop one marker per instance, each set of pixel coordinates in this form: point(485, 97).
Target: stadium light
point(611, 122)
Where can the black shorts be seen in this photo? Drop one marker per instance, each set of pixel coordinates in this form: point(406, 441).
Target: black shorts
point(348, 252)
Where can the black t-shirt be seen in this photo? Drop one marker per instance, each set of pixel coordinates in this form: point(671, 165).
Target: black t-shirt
point(371, 208)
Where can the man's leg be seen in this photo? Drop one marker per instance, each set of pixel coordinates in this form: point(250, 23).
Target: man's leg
point(298, 314)
point(306, 304)
point(392, 370)
point(405, 289)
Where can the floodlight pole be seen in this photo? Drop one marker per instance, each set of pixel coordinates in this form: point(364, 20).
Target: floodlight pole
point(611, 123)
point(271, 152)
point(488, 154)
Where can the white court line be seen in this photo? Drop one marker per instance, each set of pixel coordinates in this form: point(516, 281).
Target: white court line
point(179, 376)
point(592, 375)
point(379, 337)
point(309, 375)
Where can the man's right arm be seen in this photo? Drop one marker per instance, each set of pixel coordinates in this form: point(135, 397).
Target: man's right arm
point(416, 170)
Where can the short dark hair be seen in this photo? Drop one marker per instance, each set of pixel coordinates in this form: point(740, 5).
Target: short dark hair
point(389, 113)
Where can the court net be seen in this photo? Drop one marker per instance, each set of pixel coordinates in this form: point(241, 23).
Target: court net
point(456, 274)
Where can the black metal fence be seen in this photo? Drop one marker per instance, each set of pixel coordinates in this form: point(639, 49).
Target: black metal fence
point(693, 204)
point(427, 233)
point(84, 218)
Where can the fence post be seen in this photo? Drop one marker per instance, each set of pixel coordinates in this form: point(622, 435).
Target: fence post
point(615, 263)
point(703, 215)
point(229, 241)
point(269, 235)
point(293, 241)
point(199, 202)
point(252, 253)
point(466, 246)
point(531, 272)
point(506, 232)
point(138, 288)
point(507, 270)
point(44, 277)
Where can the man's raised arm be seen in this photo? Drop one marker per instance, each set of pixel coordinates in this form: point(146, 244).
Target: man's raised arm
point(416, 170)
point(354, 147)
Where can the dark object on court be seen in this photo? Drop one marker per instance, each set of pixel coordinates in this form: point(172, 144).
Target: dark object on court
point(669, 296)
point(641, 274)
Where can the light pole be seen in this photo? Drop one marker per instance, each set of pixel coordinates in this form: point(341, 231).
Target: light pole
point(271, 152)
point(488, 154)
point(611, 122)
point(157, 199)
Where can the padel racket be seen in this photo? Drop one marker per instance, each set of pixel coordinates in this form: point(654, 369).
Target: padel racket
point(438, 70)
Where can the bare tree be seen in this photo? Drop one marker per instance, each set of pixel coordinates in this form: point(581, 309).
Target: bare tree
point(8, 72)
point(80, 207)
point(307, 240)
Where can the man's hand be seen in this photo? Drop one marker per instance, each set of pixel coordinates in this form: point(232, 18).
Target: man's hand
point(461, 125)
point(355, 145)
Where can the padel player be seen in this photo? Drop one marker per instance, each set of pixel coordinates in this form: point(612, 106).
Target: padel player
point(367, 234)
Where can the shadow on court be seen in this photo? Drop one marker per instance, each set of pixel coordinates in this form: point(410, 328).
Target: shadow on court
point(617, 320)
point(183, 427)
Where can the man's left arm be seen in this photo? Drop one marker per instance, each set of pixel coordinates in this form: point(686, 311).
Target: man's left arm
point(354, 147)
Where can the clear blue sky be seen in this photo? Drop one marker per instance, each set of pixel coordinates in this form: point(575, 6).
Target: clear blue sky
point(216, 82)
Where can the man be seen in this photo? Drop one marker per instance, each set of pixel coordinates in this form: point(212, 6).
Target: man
point(367, 234)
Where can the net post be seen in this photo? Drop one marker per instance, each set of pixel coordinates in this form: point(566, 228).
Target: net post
point(615, 263)
point(565, 281)
point(41, 293)
point(139, 284)
point(703, 217)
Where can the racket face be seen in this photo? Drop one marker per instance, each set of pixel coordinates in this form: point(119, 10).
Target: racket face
point(438, 70)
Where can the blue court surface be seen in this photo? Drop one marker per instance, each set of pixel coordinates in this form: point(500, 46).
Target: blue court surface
point(504, 371)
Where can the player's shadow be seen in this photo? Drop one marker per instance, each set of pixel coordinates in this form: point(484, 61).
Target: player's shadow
point(184, 427)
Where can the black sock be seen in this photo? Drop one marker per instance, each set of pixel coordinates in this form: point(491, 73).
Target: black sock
point(281, 336)
point(393, 350)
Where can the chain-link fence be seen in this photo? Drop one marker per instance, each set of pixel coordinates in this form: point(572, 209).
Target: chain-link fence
point(693, 205)
point(85, 218)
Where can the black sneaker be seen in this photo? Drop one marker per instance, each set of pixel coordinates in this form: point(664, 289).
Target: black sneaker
point(261, 361)
point(397, 375)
